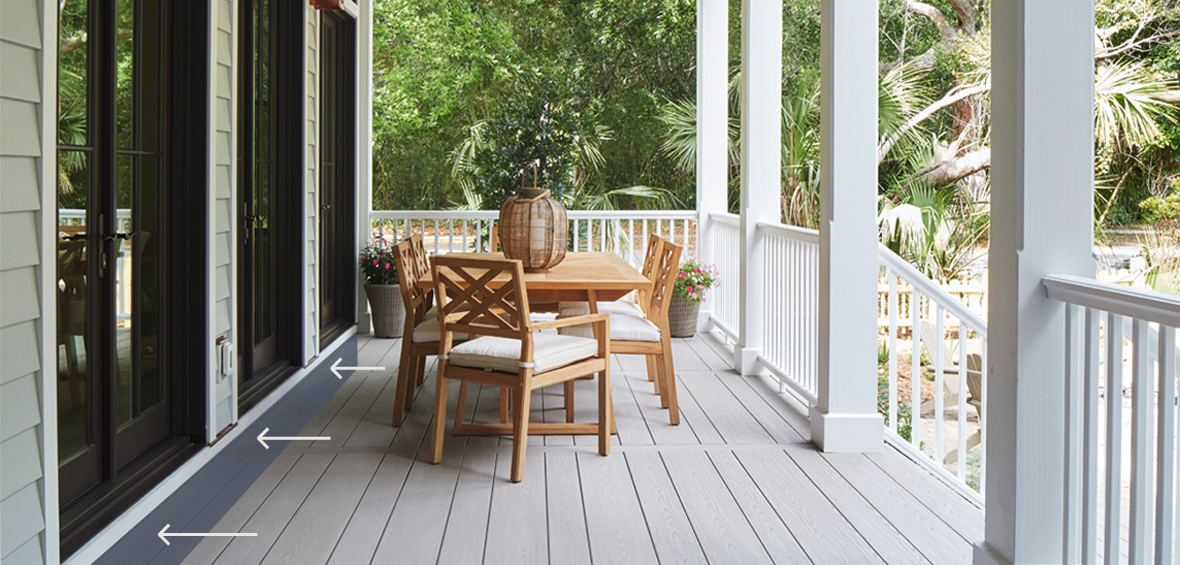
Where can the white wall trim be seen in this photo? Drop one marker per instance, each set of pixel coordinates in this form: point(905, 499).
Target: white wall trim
point(312, 327)
point(364, 151)
point(99, 544)
point(210, 375)
point(48, 282)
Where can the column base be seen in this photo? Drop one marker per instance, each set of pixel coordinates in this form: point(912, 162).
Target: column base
point(847, 433)
point(745, 361)
point(985, 554)
point(703, 323)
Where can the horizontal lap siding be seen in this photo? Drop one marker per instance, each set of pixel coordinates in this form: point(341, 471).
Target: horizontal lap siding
point(311, 186)
point(22, 516)
point(224, 321)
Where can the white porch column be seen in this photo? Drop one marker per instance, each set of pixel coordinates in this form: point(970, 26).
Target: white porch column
point(845, 418)
point(1042, 223)
point(364, 176)
point(762, 69)
point(712, 118)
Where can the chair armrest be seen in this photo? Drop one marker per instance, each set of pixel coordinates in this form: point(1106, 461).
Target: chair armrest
point(566, 322)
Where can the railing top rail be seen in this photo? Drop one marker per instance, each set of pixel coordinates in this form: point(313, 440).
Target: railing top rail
point(726, 218)
point(494, 214)
point(1148, 305)
point(790, 232)
point(931, 289)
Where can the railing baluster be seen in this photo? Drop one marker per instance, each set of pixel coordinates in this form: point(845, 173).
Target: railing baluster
point(961, 458)
point(1072, 403)
point(891, 343)
point(915, 369)
point(1142, 394)
point(1090, 416)
point(1166, 447)
point(939, 383)
point(1114, 436)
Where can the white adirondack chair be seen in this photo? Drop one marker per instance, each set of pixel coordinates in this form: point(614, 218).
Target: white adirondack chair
point(950, 366)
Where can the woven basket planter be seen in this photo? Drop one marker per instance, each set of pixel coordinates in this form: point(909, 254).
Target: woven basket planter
point(534, 229)
point(385, 303)
point(682, 316)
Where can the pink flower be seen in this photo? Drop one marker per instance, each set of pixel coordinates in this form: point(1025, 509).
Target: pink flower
point(690, 289)
point(387, 265)
point(374, 261)
point(697, 270)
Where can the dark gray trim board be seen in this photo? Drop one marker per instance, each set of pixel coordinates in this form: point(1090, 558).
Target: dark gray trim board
point(204, 499)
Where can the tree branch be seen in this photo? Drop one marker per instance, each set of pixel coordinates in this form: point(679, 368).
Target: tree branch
point(954, 170)
point(935, 16)
point(955, 95)
point(968, 15)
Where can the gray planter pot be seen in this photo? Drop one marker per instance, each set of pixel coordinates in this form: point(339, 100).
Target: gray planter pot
point(682, 316)
point(385, 304)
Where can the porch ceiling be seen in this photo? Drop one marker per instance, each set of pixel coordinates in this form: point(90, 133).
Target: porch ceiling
point(736, 482)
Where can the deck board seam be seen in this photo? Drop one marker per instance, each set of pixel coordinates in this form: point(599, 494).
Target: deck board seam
point(450, 508)
point(297, 509)
point(850, 523)
point(769, 503)
point(376, 469)
point(585, 515)
point(680, 500)
point(261, 504)
point(745, 515)
point(642, 513)
point(400, 490)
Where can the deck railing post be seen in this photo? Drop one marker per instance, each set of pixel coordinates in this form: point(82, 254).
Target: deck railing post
point(762, 46)
point(712, 129)
point(845, 417)
point(1042, 223)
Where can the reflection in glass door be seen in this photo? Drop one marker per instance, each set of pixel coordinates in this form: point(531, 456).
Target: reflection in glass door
point(112, 401)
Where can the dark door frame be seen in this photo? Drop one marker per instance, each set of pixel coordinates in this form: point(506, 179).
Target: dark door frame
point(341, 241)
point(255, 382)
point(186, 212)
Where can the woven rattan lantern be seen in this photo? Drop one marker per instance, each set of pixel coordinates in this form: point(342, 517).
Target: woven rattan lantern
point(533, 228)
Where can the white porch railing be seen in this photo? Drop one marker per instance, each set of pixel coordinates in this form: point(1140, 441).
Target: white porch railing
point(726, 242)
point(946, 384)
point(1120, 474)
point(622, 231)
point(791, 335)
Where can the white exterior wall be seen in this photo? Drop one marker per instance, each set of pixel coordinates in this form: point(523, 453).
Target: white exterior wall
point(311, 328)
point(223, 216)
point(28, 223)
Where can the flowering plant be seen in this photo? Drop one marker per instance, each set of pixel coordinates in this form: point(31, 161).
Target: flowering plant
point(377, 264)
point(694, 279)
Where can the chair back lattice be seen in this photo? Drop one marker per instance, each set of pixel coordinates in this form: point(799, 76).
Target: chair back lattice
point(409, 256)
point(663, 281)
point(481, 296)
point(655, 245)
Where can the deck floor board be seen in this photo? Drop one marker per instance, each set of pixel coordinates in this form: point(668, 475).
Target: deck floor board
point(736, 481)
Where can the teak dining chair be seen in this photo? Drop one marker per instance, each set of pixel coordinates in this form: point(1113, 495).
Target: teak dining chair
point(506, 350)
point(644, 330)
point(420, 336)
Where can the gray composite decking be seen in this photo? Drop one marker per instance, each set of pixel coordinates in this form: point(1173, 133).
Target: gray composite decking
point(736, 482)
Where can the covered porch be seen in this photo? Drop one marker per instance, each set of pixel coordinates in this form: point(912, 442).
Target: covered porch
point(737, 482)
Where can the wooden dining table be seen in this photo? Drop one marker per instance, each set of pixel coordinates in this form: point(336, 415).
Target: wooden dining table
point(584, 276)
point(588, 276)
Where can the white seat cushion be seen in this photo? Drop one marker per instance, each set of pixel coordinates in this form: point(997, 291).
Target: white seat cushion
point(427, 331)
point(550, 351)
point(617, 307)
point(623, 327)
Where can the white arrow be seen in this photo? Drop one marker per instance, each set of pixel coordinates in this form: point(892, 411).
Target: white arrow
point(262, 438)
point(336, 366)
point(165, 537)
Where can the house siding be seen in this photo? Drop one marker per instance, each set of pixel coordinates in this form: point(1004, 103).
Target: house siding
point(311, 186)
point(23, 332)
point(223, 321)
